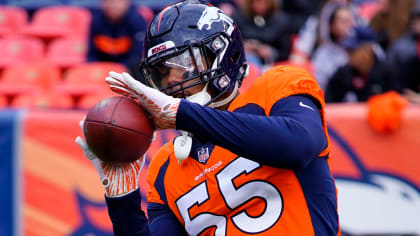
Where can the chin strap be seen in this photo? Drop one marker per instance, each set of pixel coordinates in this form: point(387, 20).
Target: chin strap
point(183, 143)
point(228, 99)
point(182, 146)
point(202, 97)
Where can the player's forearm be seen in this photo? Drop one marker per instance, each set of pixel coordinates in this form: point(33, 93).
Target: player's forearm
point(278, 140)
point(126, 215)
point(128, 218)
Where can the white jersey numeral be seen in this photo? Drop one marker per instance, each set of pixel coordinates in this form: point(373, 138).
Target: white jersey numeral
point(234, 196)
point(194, 226)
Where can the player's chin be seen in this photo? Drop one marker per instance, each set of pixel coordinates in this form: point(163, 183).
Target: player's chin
point(178, 95)
point(182, 95)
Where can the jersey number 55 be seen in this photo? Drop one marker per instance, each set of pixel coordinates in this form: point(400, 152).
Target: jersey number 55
point(233, 197)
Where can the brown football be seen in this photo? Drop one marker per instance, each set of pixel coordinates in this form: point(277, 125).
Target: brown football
point(118, 130)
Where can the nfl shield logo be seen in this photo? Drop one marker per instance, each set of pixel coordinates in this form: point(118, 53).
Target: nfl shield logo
point(203, 154)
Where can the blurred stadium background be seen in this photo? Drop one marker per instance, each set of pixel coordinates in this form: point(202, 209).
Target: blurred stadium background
point(47, 85)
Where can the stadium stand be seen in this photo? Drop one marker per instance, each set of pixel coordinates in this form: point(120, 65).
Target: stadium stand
point(12, 20)
point(33, 5)
point(27, 80)
point(59, 21)
point(43, 100)
point(153, 4)
point(3, 102)
point(146, 12)
point(17, 50)
point(87, 79)
point(88, 101)
point(67, 52)
point(40, 75)
point(91, 73)
point(89, 4)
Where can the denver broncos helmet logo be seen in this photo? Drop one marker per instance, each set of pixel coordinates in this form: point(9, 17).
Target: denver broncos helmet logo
point(211, 15)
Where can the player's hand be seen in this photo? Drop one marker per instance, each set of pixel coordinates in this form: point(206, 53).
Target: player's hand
point(162, 108)
point(117, 179)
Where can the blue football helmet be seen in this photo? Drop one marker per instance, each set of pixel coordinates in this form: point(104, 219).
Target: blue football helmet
point(201, 41)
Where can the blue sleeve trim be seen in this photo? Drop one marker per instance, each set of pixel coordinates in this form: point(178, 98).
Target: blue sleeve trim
point(289, 138)
point(160, 182)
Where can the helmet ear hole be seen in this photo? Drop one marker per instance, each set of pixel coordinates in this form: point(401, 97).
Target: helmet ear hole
point(235, 57)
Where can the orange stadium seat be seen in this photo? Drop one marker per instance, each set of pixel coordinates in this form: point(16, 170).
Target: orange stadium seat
point(49, 99)
point(40, 75)
point(10, 92)
point(67, 52)
point(27, 79)
point(58, 21)
point(3, 102)
point(92, 73)
point(88, 101)
point(88, 78)
point(12, 20)
point(17, 50)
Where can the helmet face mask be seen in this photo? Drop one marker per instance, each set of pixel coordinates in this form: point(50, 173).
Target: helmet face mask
point(195, 61)
point(199, 40)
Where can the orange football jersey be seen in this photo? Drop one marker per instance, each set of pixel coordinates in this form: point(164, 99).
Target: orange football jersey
point(232, 195)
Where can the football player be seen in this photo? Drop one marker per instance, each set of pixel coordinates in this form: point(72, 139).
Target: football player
point(252, 163)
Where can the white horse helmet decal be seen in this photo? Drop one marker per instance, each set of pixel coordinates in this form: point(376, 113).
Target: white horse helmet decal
point(211, 15)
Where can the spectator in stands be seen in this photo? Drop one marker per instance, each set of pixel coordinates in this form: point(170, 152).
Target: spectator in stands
point(404, 59)
point(265, 30)
point(116, 34)
point(338, 32)
point(310, 37)
point(227, 6)
point(391, 20)
point(364, 75)
point(300, 10)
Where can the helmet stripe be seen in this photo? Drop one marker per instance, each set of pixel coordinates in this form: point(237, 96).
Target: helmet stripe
point(160, 17)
